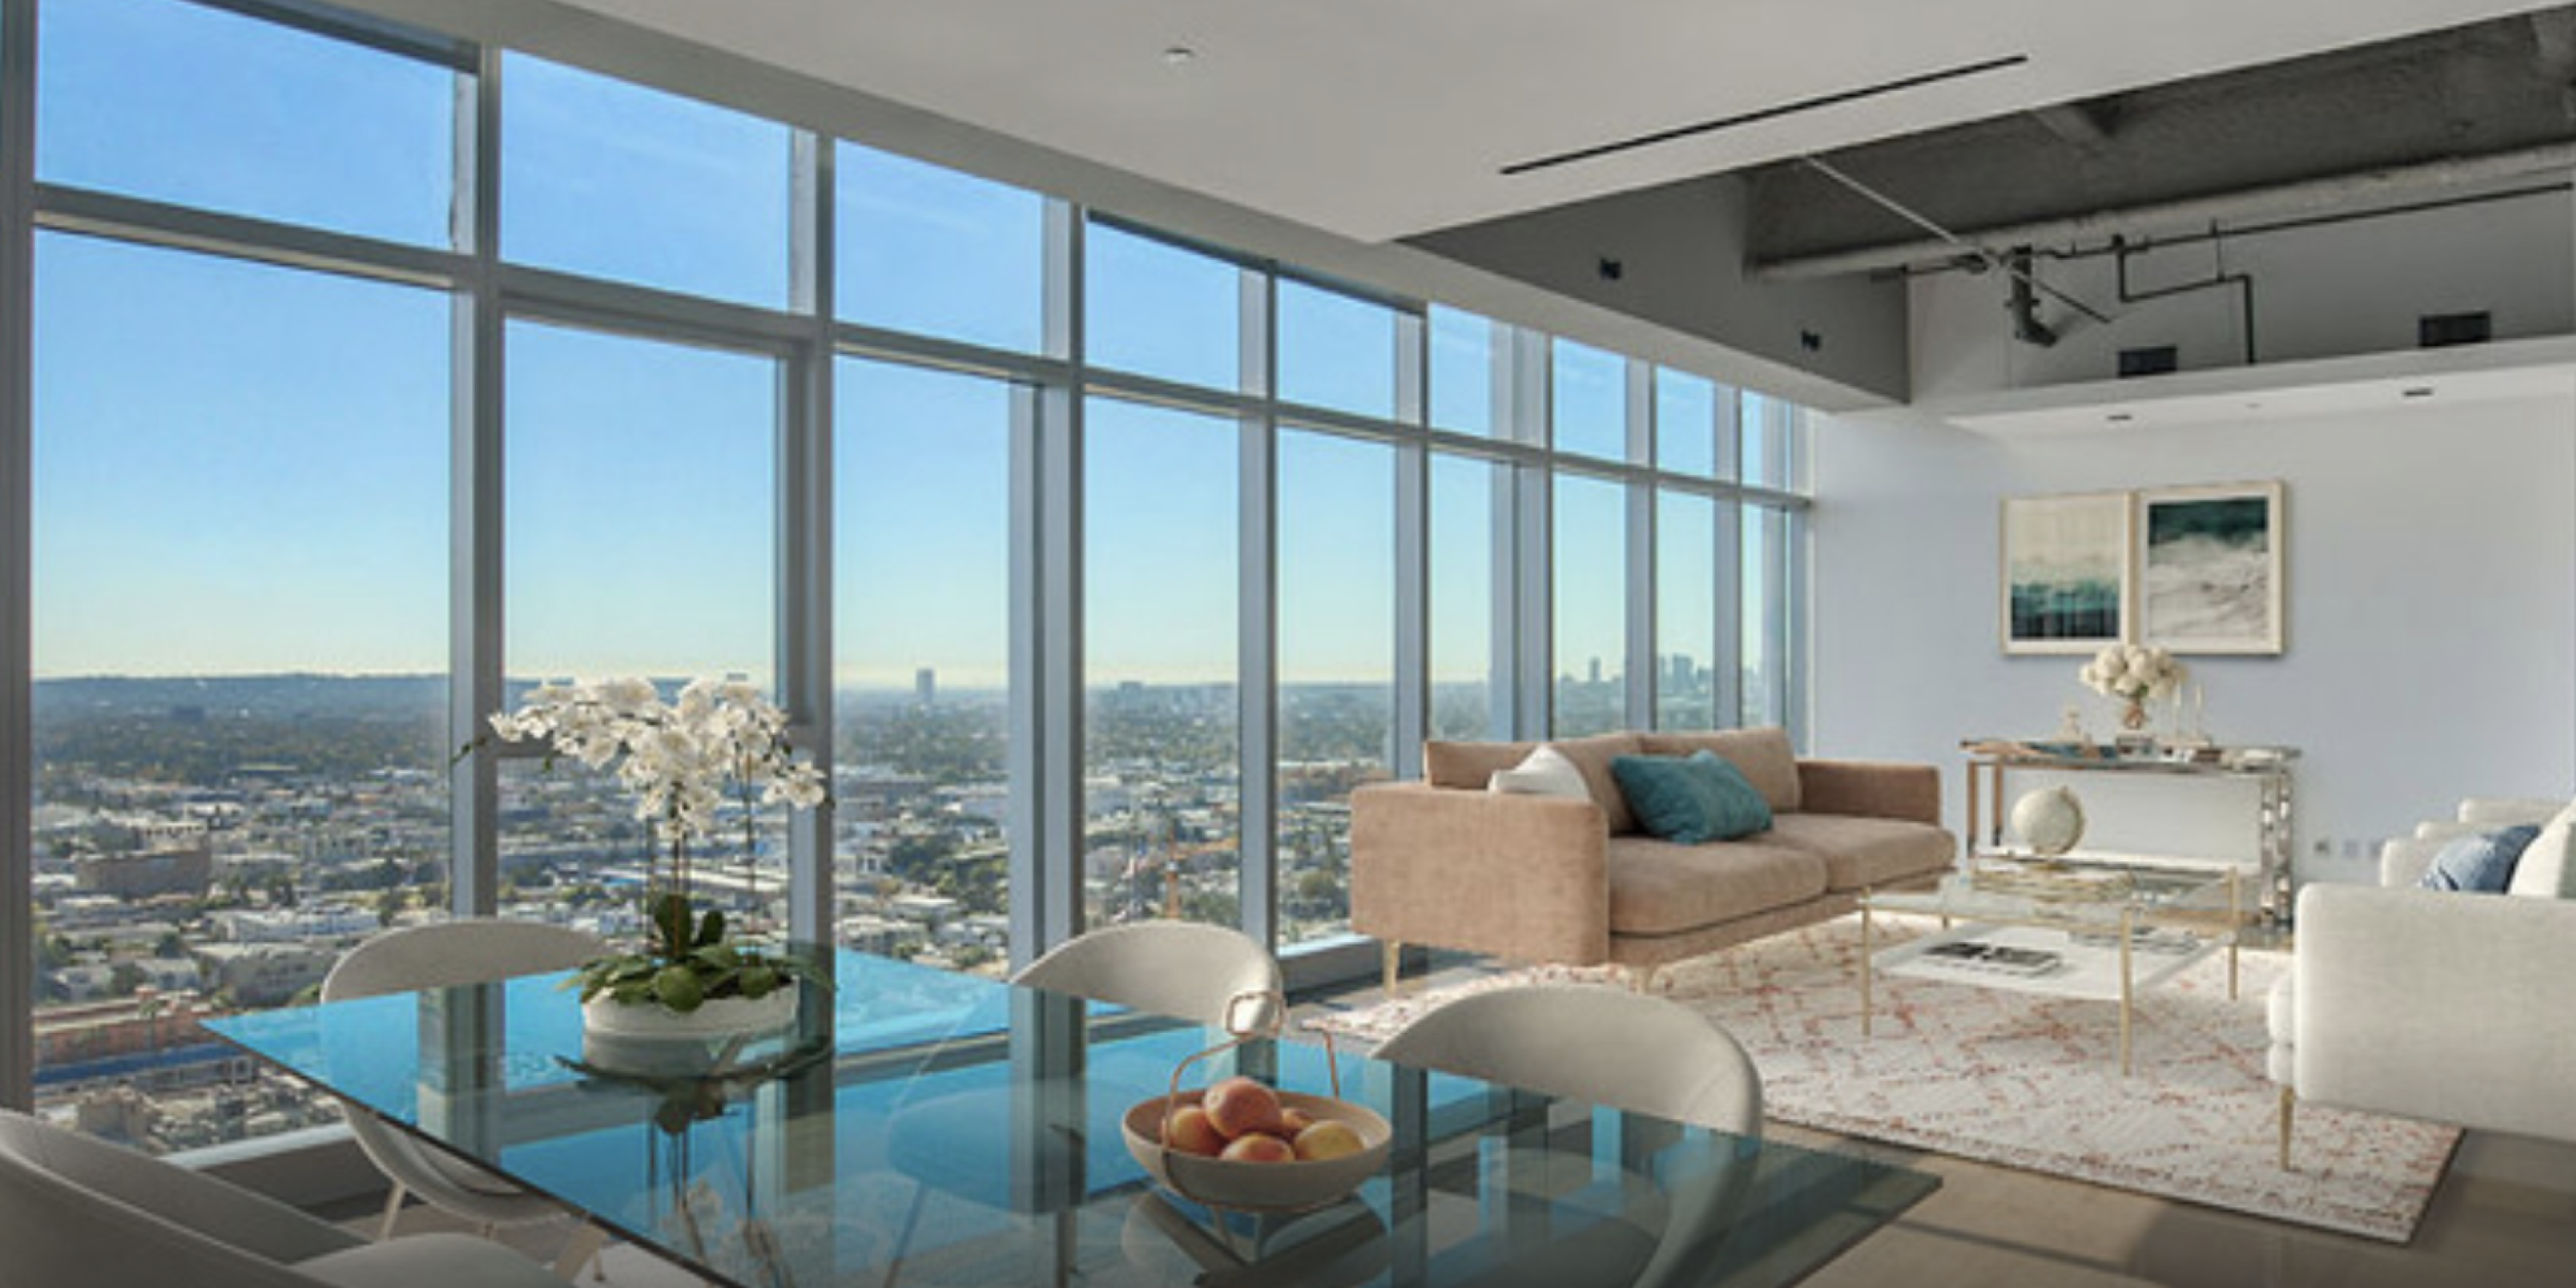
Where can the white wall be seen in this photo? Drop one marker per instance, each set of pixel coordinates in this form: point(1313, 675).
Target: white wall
point(2431, 584)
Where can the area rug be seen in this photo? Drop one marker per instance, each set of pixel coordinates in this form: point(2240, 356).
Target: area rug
point(2034, 1082)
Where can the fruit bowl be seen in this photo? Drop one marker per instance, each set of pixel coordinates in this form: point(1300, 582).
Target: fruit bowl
point(1287, 1186)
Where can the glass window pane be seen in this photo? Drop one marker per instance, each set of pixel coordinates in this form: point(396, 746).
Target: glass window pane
point(1589, 401)
point(1765, 634)
point(1162, 782)
point(1160, 665)
point(928, 250)
point(1591, 581)
point(1157, 310)
point(1770, 436)
point(1336, 664)
point(240, 632)
point(614, 180)
point(198, 107)
point(1466, 365)
point(921, 575)
point(640, 508)
point(1470, 557)
point(1685, 423)
point(1685, 611)
point(1336, 351)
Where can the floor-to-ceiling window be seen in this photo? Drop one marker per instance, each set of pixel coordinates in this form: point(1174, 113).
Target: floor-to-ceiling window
point(355, 411)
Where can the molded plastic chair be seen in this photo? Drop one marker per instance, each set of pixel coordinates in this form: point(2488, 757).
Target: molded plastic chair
point(439, 955)
point(1182, 969)
point(1609, 1046)
point(77, 1210)
point(1629, 1051)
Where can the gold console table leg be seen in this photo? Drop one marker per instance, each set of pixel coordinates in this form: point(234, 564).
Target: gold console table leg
point(1393, 961)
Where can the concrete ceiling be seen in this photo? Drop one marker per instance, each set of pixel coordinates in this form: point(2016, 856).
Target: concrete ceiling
point(1380, 119)
point(2483, 104)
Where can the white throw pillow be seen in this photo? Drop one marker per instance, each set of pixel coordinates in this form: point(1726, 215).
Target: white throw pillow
point(2547, 869)
point(1545, 772)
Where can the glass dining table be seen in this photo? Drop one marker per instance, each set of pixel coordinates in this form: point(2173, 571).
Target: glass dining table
point(921, 1127)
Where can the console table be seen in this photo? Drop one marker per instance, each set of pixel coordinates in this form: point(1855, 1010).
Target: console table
point(2265, 769)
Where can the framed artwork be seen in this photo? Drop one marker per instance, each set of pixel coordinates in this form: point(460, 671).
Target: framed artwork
point(2065, 572)
point(2209, 568)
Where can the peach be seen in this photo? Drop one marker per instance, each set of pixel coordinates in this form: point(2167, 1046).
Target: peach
point(1328, 1138)
point(1190, 1132)
point(1239, 1106)
point(1255, 1147)
point(1293, 1120)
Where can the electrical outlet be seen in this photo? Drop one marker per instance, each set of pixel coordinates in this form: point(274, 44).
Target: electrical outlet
point(2352, 849)
point(2323, 848)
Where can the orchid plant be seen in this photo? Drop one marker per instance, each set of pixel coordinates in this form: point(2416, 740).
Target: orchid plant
point(679, 758)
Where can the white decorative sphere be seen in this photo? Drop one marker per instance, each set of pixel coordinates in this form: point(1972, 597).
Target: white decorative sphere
point(2050, 820)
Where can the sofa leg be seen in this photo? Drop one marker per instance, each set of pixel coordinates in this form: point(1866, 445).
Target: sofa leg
point(1641, 979)
point(1394, 961)
point(2289, 1104)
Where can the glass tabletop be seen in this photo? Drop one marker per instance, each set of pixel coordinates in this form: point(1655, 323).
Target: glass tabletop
point(2081, 894)
point(921, 1127)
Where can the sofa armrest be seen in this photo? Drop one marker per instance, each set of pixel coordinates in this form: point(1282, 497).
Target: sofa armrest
point(2448, 1007)
point(1870, 789)
point(1523, 877)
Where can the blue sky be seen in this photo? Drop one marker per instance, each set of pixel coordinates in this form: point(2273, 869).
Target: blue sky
point(243, 468)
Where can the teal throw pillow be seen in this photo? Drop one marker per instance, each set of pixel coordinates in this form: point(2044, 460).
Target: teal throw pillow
point(1692, 799)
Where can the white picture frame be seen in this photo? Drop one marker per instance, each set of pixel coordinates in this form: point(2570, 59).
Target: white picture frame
point(2209, 568)
point(2064, 583)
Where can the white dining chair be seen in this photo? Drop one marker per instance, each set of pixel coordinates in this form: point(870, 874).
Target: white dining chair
point(77, 1210)
point(1209, 975)
point(1625, 1050)
point(1610, 1046)
point(439, 955)
point(1184, 969)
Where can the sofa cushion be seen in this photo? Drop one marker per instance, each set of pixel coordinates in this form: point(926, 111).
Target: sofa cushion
point(1859, 852)
point(1659, 888)
point(1763, 754)
point(1546, 772)
point(1690, 799)
point(1471, 766)
point(2546, 868)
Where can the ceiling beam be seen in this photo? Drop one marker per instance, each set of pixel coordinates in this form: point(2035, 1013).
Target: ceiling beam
point(2086, 127)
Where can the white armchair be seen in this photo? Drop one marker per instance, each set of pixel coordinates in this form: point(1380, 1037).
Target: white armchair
point(2427, 1004)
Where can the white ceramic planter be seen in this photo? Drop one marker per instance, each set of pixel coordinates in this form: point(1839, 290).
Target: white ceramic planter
point(714, 1020)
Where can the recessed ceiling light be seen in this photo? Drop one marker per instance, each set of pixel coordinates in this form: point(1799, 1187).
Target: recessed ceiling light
point(2419, 391)
point(2119, 418)
point(1175, 55)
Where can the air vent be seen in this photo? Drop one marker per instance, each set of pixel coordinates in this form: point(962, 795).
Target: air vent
point(2438, 330)
point(1773, 112)
point(2149, 360)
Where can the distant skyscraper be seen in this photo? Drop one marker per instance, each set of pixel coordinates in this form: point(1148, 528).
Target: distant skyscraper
point(925, 686)
point(1596, 670)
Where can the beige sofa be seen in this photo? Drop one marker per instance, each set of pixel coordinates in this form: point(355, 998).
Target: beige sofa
point(1447, 864)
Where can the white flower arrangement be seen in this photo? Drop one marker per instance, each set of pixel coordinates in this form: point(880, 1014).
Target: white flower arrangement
point(675, 756)
point(678, 757)
point(2134, 672)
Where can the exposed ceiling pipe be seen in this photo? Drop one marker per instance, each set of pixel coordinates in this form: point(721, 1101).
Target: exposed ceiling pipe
point(1953, 244)
point(2189, 212)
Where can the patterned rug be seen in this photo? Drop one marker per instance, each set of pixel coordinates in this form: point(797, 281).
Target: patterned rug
point(2034, 1082)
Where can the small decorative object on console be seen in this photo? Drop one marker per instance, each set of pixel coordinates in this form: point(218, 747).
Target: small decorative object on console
point(2050, 820)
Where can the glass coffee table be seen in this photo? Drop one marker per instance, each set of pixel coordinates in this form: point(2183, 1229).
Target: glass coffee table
point(2094, 931)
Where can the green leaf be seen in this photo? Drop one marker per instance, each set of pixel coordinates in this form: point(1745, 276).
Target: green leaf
point(758, 982)
point(677, 987)
point(711, 929)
